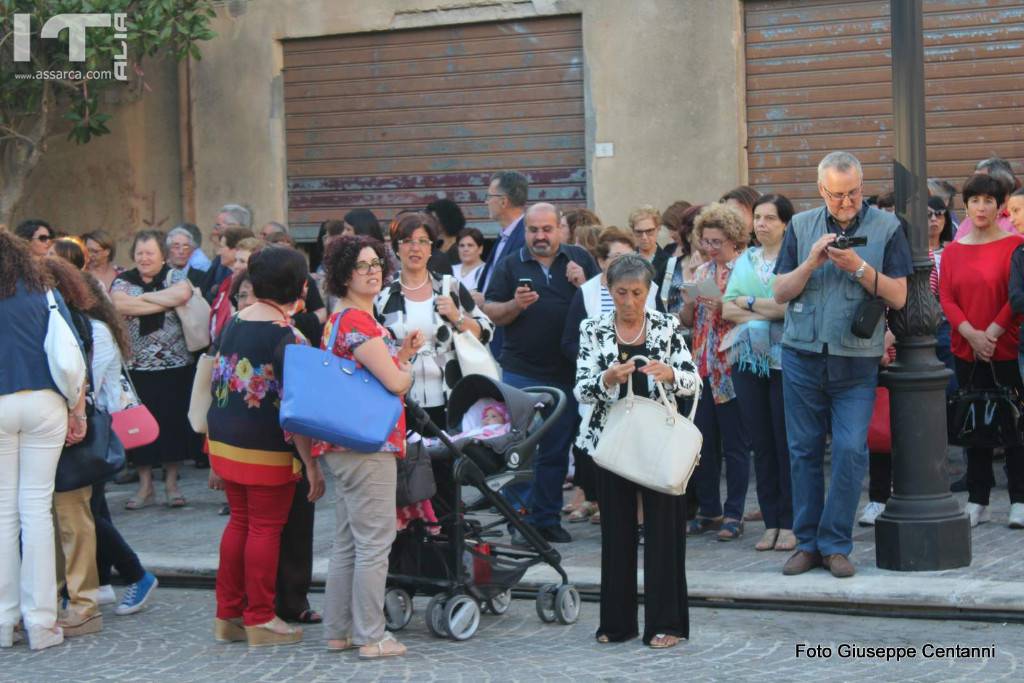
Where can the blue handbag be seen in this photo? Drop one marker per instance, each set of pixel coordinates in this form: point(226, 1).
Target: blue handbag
point(333, 399)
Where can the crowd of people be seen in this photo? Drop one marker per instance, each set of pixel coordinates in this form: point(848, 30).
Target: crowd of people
point(741, 304)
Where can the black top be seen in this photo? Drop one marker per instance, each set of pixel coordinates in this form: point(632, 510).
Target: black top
point(639, 379)
point(532, 341)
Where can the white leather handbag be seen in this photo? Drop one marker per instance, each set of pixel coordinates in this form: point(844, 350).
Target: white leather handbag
point(474, 357)
point(194, 315)
point(648, 442)
point(63, 354)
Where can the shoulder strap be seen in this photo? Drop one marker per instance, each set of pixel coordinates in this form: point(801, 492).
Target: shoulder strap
point(666, 281)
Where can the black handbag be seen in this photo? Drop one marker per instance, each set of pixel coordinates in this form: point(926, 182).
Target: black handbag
point(865, 320)
point(98, 457)
point(984, 418)
point(415, 480)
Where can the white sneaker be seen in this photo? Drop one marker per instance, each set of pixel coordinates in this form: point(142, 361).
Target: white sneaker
point(979, 514)
point(1017, 516)
point(871, 511)
point(106, 595)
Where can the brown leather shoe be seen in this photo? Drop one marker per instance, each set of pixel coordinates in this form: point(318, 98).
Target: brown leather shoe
point(801, 561)
point(839, 565)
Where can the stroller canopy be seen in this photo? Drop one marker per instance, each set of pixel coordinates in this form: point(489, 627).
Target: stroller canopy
point(472, 388)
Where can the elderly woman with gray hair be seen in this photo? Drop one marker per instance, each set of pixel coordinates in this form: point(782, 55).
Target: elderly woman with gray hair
point(608, 344)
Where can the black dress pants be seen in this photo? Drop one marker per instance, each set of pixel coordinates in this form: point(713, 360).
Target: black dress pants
point(111, 548)
point(295, 560)
point(980, 478)
point(666, 609)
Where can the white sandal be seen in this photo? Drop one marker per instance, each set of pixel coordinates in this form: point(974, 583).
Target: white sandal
point(385, 647)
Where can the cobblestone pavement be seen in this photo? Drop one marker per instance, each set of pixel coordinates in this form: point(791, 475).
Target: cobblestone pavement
point(171, 641)
point(195, 530)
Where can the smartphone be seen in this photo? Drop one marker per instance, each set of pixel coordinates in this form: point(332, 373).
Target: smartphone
point(526, 282)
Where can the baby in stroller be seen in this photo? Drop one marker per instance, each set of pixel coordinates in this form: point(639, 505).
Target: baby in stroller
point(485, 419)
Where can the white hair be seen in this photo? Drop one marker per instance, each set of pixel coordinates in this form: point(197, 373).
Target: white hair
point(174, 232)
point(840, 161)
point(239, 214)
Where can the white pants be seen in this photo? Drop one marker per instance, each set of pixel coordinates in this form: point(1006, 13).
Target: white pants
point(32, 429)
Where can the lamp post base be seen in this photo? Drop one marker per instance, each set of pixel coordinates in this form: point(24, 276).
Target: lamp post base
point(919, 545)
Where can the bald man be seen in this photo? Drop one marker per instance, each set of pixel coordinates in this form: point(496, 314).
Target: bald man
point(529, 296)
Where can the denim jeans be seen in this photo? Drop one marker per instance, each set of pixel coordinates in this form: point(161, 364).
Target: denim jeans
point(821, 522)
point(764, 419)
point(724, 439)
point(944, 351)
point(551, 463)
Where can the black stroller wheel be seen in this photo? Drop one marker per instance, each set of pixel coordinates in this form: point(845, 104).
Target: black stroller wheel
point(434, 616)
point(500, 603)
point(461, 617)
point(397, 609)
point(567, 604)
point(546, 603)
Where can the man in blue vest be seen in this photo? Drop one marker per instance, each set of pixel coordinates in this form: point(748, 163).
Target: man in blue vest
point(833, 259)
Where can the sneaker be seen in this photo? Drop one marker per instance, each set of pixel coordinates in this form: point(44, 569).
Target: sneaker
point(1017, 516)
point(979, 514)
point(136, 595)
point(871, 512)
point(106, 595)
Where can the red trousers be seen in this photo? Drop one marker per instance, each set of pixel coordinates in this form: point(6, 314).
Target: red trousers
point(249, 550)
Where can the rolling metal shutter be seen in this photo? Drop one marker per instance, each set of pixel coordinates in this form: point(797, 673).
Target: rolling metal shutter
point(392, 120)
point(818, 79)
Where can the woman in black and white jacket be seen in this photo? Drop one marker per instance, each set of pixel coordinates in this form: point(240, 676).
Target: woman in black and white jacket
point(415, 302)
point(607, 346)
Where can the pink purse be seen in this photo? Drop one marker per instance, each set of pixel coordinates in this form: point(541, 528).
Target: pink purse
point(134, 425)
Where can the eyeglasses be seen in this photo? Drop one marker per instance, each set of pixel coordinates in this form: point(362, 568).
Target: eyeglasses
point(491, 195)
point(42, 238)
point(712, 244)
point(422, 243)
point(364, 267)
point(932, 213)
point(841, 198)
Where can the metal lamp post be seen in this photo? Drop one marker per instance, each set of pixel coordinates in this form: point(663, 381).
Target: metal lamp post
point(922, 528)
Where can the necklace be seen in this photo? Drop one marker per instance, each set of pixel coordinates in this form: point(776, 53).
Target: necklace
point(634, 340)
point(275, 306)
point(413, 289)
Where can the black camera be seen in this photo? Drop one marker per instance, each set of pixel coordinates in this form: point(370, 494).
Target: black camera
point(846, 242)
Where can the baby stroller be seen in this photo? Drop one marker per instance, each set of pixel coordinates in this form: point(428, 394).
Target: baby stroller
point(455, 561)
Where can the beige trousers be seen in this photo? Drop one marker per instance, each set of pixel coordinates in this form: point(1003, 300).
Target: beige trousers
point(76, 550)
point(365, 529)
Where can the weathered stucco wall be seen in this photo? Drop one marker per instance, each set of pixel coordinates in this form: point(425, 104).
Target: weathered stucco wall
point(121, 182)
point(663, 85)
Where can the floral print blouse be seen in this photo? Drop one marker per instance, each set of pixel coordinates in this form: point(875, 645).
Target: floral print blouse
point(709, 327)
point(247, 444)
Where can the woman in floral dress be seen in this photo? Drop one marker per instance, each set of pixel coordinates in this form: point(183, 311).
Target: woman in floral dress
point(258, 462)
point(723, 235)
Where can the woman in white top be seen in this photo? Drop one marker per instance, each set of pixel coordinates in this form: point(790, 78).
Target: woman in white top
point(415, 301)
point(111, 344)
point(471, 249)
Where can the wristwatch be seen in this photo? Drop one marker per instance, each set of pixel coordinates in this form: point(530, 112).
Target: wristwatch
point(750, 303)
point(458, 323)
point(859, 273)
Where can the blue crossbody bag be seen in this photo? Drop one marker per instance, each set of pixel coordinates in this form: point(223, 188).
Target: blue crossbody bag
point(332, 399)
